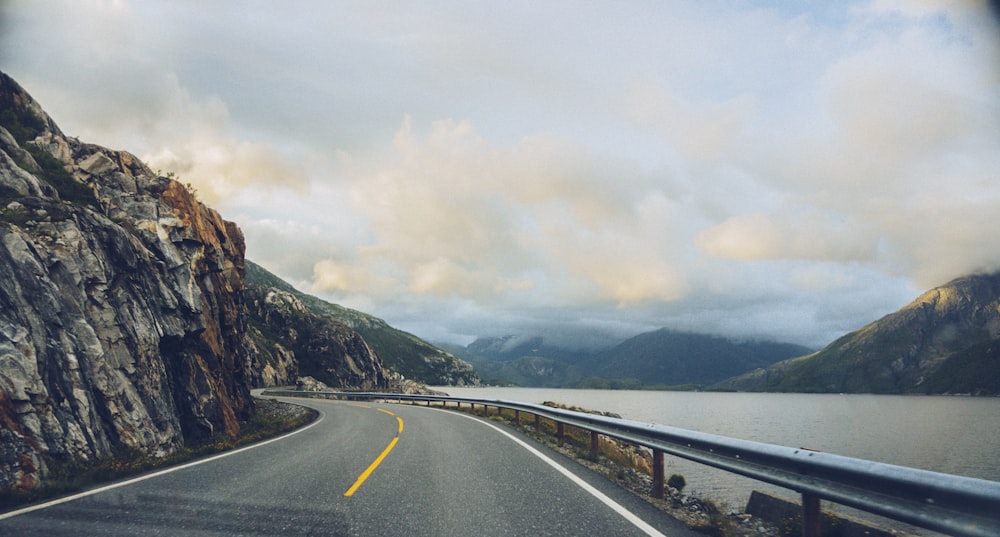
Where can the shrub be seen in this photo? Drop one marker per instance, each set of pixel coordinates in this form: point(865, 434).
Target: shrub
point(55, 173)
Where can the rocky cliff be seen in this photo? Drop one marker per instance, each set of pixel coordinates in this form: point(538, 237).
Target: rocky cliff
point(121, 321)
point(321, 348)
point(407, 356)
point(945, 341)
point(125, 321)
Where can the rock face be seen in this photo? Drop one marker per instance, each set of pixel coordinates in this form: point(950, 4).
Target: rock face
point(124, 318)
point(323, 348)
point(121, 321)
point(406, 355)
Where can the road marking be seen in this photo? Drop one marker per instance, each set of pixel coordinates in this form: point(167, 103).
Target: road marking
point(371, 468)
point(357, 405)
point(84, 494)
point(364, 475)
point(617, 507)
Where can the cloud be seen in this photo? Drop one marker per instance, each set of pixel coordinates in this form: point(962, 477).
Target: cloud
point(461, 215)
point(888, 163)
point(794, 169)
point(220, 167)
point(808, 236)
point(113, 56)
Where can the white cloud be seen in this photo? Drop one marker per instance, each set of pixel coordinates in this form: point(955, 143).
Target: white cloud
point(793, 170)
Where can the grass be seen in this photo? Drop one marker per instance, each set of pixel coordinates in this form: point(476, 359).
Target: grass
point(24, 126)
point(271, 419)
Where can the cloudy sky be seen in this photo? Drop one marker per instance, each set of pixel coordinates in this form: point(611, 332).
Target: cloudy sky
point(791, 170)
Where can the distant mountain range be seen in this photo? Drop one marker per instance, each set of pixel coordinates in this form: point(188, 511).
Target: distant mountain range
point(669, 358)
point(662, 358)
point(947, 341)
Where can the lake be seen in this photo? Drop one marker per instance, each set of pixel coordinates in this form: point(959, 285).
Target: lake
point(955, 435)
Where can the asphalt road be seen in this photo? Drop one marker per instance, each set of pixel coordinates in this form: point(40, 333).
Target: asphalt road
point(438, 473)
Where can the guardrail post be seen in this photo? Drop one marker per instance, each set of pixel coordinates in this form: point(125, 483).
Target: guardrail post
point(559, 433)
point(594, 445)
point(538, 423)
point(517, 417)
point(811, 516)
point(658, 474)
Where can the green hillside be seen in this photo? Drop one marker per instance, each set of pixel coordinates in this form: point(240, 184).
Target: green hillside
point(945, 341)
point(400, 351)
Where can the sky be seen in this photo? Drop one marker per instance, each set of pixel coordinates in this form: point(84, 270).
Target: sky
point(576, 170)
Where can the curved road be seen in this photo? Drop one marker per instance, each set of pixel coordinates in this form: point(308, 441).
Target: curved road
point(438, 473)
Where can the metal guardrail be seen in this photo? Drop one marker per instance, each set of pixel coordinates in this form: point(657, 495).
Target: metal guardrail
point(955, 505)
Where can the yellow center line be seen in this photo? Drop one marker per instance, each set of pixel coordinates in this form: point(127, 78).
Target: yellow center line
point(371, 468)
point(359, 406)
point(385, 411)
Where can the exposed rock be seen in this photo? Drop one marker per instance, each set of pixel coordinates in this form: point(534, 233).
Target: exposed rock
point(564, 406)
point(400, 351)
point(633, 456)
point(412, 387)
point(783, 512)
point(323, 348)
point(97, 164)
point(309, 384)
point(120, 315)
point(271, 364)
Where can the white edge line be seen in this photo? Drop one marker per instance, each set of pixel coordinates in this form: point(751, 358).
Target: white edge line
point(617, 507)
point(84, 494)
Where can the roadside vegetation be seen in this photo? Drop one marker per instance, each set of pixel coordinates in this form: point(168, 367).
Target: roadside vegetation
point(271, 419)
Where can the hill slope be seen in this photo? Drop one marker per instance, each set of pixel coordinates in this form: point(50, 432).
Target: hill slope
point(668, 357)
point(945, 341)
point(400, 351)
point(659, 358)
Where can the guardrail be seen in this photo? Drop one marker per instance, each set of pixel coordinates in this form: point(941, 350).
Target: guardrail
point(955, 505)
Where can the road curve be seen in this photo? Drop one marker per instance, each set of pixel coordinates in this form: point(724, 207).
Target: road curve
point(364, 469)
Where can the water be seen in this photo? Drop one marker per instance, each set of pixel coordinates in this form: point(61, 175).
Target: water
point(955, 435)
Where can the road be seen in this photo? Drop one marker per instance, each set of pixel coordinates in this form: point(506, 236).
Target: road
point(364, 469)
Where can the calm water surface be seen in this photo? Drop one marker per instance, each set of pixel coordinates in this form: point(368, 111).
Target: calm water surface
point(956, 435)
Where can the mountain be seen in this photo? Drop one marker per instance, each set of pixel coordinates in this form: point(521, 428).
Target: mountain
point(121, 322)
point(125, 321)
point(658, 358)
point(401, 352)
point(522, 360)
point(671, 358)
point(945, 341)
point(319, 347)
point(513, 347)
point(536, 371)
point(505, 348)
